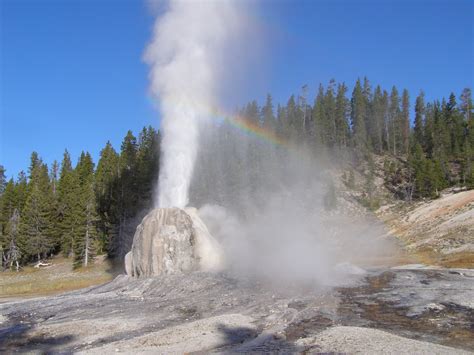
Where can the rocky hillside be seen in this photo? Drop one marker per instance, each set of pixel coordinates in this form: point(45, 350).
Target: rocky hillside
point(439, 231)
point(436, 231)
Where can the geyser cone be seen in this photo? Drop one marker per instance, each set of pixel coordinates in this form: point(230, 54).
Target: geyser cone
point(172, 240)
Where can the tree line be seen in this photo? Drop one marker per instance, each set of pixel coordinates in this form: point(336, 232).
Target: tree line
point(78, 210)
point(433, 151)
point(87, 209)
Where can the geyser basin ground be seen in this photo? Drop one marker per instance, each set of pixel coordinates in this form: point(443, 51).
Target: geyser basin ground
point(403, 310)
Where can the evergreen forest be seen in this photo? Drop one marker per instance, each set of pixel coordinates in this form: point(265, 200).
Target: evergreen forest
point(85, 208)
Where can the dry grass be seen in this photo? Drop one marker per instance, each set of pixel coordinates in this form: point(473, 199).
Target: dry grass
point(57, 278)
point(463, 260)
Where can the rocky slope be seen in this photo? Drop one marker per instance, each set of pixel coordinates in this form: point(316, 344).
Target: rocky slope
point(438, 231)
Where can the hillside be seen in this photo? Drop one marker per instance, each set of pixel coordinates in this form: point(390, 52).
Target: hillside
point(439, 231)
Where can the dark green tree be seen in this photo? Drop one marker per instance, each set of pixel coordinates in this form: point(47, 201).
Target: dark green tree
point(67, 205)
point(107, 194)
point(341, 117)
point(358, 114)
point(405, 123)
point(85, 232)
point(35, 229)
point(418, 129)
point(394, 133)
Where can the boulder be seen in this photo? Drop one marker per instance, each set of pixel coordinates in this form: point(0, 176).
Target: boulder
point(172, 240)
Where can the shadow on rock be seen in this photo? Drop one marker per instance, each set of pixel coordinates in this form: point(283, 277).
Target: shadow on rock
point(16, 338)
point(246, 339)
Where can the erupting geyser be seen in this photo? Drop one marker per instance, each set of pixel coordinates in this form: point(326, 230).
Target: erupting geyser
point(260, 192)
point(188, 43)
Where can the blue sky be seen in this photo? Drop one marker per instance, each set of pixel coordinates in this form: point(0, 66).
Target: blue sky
point(72, 75)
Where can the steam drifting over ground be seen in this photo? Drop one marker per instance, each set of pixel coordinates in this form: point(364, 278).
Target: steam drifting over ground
point(261, 195)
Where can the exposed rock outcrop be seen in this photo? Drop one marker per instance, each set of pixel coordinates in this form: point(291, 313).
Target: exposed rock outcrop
point(172, 240)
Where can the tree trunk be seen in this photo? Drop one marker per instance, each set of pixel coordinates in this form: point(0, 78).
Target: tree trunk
point(86, 255)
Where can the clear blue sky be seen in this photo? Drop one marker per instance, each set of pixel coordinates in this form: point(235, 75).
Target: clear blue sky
point(72, 75)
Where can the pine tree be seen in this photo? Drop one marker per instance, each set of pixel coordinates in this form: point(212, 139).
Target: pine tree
point(370, 184)
point(417, 162)
point(454, 124)
point(267, 113)
point(13, 253)
point(376, 128)
point(107, 193)
point(393, 121)
point(127, 196)
point(358, 114)
point(55, 214)
point(35, 162)
point(35, 233)
point(386, 121)
point(8, 203)
point(418, 130)
point(318, 118)
point(147, 167)
point(3, 180)
point(291, 118)
point(330, 115)
point(405, 123)
point(368, 115)
point(342, 110)
point(21, 190)
point(468, 165)
point(467, 110)
point(441, 137)
point(85, 235)
point(67, 201)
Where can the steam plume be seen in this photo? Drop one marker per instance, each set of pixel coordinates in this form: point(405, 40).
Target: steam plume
point(188, 44)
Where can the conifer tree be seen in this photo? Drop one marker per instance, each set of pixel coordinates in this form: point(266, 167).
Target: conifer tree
point(21, 191)
point(291, 118)
point(386, 121)
point(318, 119)
point(147, 167)
point(8, 203)
point(67, 202)
point(358, 114)
point(107, 194)
point(405, 123)
point(418, 130)
point(13, 254)
point(35, 229)
point(417, 163)
point(267, 113)
point(367, 94)
point(55, 226)
point(454, 123)
point(468, 165)
point(330, 115)
point(393, 121)
point(3, 180)
point(85, 235)
point(341, 117)
point(127, 196)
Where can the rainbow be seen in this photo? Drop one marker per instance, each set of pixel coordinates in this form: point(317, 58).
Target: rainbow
point(250, 128)
point(245, 125)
